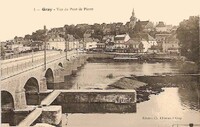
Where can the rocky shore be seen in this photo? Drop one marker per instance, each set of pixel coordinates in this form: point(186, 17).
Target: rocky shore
point(143, 90)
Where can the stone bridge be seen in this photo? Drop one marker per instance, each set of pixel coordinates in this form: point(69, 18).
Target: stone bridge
point(35, 74)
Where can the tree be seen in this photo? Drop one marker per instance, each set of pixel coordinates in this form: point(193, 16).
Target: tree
point(27, 37)
point(138, 27)
point(2, 51)
point(188, 35)
point(39, 35)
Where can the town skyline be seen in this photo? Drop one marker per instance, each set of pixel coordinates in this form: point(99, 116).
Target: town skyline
point(28, 21)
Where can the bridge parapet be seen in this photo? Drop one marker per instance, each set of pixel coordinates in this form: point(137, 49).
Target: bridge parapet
point(13, 67)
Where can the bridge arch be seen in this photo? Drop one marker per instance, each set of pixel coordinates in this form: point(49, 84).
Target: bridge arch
point(7, 107)
point(7, 101)
point(32, 91)
point(49, 78)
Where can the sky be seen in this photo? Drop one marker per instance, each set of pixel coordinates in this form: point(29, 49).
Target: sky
point(18, 17)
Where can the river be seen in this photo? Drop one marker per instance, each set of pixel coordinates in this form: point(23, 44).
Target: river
point(93, 75)
point(173, 106)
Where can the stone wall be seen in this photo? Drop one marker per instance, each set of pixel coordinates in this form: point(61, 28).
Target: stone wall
point(102, 101)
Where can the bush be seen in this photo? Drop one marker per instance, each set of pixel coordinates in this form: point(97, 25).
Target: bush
point(110, 75)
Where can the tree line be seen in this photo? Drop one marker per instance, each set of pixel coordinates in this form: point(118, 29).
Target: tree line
point(96, 30)
point(188, 35)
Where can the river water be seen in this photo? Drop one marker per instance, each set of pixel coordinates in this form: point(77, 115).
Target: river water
point(171, 107)
point(93, 75)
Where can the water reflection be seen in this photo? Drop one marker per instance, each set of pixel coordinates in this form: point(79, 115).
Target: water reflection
point(190, 97)
point(98, 108)
point(161, 110)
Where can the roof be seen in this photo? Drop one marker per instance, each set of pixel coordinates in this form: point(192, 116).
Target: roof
point(145, 36)
point(70, 37)
point(88, 39)
point(144, 23)
point(55, 37)
point(120, 37)
point(133, 41)
point(96, 40)
point(108, 37)
point(161, 24)
point(101, 44)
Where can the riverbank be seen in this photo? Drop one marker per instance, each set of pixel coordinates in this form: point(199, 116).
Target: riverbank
point(131, 57)
point(188, 67)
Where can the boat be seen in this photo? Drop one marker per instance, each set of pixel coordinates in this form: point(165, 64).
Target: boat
point(125, 58)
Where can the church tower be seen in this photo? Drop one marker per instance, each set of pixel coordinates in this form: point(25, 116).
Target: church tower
point(133, 20)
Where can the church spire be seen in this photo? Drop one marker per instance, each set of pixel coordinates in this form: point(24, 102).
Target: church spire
point(133, 13)
point(133, 20)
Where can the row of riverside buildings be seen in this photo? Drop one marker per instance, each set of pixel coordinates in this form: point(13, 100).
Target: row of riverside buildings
point(163, 42)
point(141, 43)
point(123, 43)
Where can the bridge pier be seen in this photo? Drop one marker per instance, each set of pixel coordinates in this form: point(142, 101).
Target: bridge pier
point(74, 66)
point(20, 100)
point(81, 61)
point(43, 84)
point(58, 77)
point(67, 68)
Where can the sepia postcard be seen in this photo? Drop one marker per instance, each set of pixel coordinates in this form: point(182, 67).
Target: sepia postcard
point(100, 63)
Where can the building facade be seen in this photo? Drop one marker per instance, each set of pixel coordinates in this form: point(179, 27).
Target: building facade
point(171, 45)
point(90, 44)
point(56, 43)
point(119, 42)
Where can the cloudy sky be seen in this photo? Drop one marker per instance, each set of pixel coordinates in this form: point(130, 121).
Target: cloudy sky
point(19, 18)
